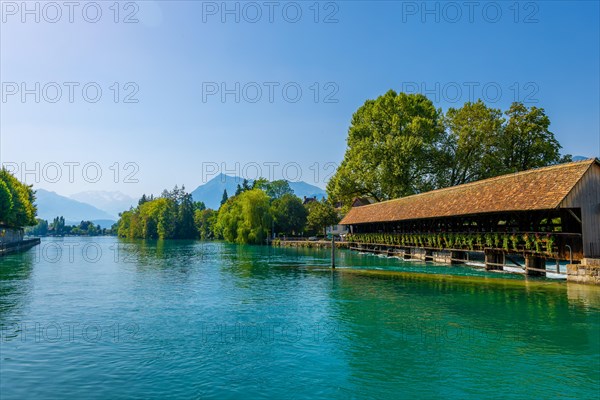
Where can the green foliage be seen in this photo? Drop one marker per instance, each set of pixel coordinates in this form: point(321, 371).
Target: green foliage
point(58, 228)
point(391, 142)
point(261, 183)
point(17, 202)
point(245, 218)
point(526, 141)
point(275, 189)
point(470, 134)
point(278, 189)
point(550, 240)
point(514, 238)
point(171, 216)
point(321, 214)
point(6, 203)
point(539, 243)
point(205, 221)
point(289, 214)
point(399, 144)
point(225, 197)
point(40, 229)
point(489, 240)
point(505, 239)
point(464, 241)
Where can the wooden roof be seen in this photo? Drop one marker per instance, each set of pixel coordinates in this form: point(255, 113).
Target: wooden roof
point(537, 189)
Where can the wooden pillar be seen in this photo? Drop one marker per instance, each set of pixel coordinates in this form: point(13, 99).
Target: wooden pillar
point(332, 251)
point(493, 259)
point(538, 263)
point(428, 255)
point(457, 255)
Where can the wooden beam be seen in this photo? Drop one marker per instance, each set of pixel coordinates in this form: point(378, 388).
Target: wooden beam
point(574, 216)
point(513, 261)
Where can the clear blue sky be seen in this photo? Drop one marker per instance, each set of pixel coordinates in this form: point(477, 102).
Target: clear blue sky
point(543, 53)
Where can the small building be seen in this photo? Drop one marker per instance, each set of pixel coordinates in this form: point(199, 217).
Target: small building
point(550, 212)
point(336, 230)
point(307, 200)
point(363, 201)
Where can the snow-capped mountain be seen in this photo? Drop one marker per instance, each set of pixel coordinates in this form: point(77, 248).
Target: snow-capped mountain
point(111, 202)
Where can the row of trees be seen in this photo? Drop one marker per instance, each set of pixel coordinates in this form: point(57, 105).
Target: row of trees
point(58, 228)
point(17, 202)
point(400, 144)
point(170, 216)
point(264, 208)
point(250, 216)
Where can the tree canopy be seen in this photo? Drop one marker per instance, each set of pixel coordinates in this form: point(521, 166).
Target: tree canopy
point(17, 202)
point(391, 142)
point(289, 214)
point(399, 144)
point(321, 214)
point(245, 218)
point(171, 216)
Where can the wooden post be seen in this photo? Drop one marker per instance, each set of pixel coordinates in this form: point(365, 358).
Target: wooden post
point(455, 256)
point(494, 260)
point(534, 266)
point(332, 251)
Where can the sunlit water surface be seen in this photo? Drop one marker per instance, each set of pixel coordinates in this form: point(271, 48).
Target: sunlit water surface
point(102, 318)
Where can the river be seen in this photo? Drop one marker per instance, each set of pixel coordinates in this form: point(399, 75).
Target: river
point(104, 318)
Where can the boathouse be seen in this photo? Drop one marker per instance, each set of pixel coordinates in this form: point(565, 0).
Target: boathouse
point(546, 213)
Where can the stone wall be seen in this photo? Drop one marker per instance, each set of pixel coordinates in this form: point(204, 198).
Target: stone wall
point(418, 254)
point(586, 272)
point(444, 257)
point(10, 235)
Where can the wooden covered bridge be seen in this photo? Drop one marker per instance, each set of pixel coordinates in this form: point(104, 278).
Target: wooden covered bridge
point(546, 213)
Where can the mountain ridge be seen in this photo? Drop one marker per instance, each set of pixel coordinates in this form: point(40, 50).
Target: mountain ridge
point(51, 205)
point(112, 202)
point(211, 192)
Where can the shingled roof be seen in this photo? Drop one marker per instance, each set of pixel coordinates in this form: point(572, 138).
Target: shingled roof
point(537, 189)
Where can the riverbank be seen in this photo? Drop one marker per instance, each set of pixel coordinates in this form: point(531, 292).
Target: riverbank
point(311, 244)
point(14, 247)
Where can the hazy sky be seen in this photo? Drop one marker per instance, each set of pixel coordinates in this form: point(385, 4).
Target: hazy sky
point(190, 88)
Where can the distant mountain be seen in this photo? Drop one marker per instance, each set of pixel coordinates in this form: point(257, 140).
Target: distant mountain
point(111, 202)
point(51, 205)
point(302, 189)
point(212, 191)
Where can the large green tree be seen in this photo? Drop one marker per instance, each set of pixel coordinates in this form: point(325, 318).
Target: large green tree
point(245, 218)
point(6, 203)
point(399, 144)
point(171, 216)
point(278, 189)
point(205, 221)
point(391, 143)
point(289, 214)
point(526, 141)
point(224, 197)
point(467, 149)
point(18, 202)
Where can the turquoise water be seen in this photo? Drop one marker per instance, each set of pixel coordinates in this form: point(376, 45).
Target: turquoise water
point(99, 318)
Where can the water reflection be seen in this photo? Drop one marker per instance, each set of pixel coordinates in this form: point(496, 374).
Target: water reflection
point(15, 281)
point(451, 329)
point(350, 333)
